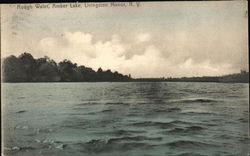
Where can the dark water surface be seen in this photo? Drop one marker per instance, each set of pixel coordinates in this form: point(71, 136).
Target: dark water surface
point(106, 119)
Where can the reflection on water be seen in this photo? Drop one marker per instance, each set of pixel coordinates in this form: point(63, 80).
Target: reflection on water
point(125, 119)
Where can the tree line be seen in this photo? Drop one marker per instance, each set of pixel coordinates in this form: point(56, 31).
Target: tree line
point(25, 68)
point(242, 77)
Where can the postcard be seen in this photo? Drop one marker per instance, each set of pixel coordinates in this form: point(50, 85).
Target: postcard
point(125, 78)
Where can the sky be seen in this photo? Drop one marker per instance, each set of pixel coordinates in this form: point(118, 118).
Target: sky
point(156, 39)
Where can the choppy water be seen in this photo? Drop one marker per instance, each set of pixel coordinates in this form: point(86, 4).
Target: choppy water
point(72, 119)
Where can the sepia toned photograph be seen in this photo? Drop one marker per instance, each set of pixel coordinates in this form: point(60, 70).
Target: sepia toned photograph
point(125, 79)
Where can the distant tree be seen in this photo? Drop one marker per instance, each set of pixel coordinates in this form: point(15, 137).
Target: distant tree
point(27, 63)
point(87, 74)
point(99, 70)
point(67, 70)
point(12, 70)
point(46, 70)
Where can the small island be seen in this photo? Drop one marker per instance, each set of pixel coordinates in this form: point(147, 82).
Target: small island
point(25, 68)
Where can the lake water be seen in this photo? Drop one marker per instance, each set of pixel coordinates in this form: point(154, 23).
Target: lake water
point(120, 119)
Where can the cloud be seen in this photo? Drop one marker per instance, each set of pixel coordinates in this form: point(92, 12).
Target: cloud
point(110, 54)
point(48, 42)
point(143, 37)
point(79, 47)
point(183, 54)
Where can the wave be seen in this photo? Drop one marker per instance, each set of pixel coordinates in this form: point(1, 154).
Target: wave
point(163, 125)
point(175, 130)
point(121, 139)
point(96, 141)
point(136, 138)
point(187, 144)
point(60, 146)
point(142, 103)
point(196, 100)
point(113, 144)
point(21, 111)
point(153, 101)
point(224, 136)
point(163, 111)
point(174, 109)
point(122, 132)
point(21, 127)
point(116, 103)
point(195, 128)
point(189, 154)
point(106, 110)
point(209, 124)
point(176, 122)
point(153, 124)
point(244, 120)
point(245, 139)
point(102, 111)
point(198, 112)
point(134, 145)
point(16, 148)
point(88, 103)
point(51, 143)
point(191, 129)
point(48, 141)
point(45, 130)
